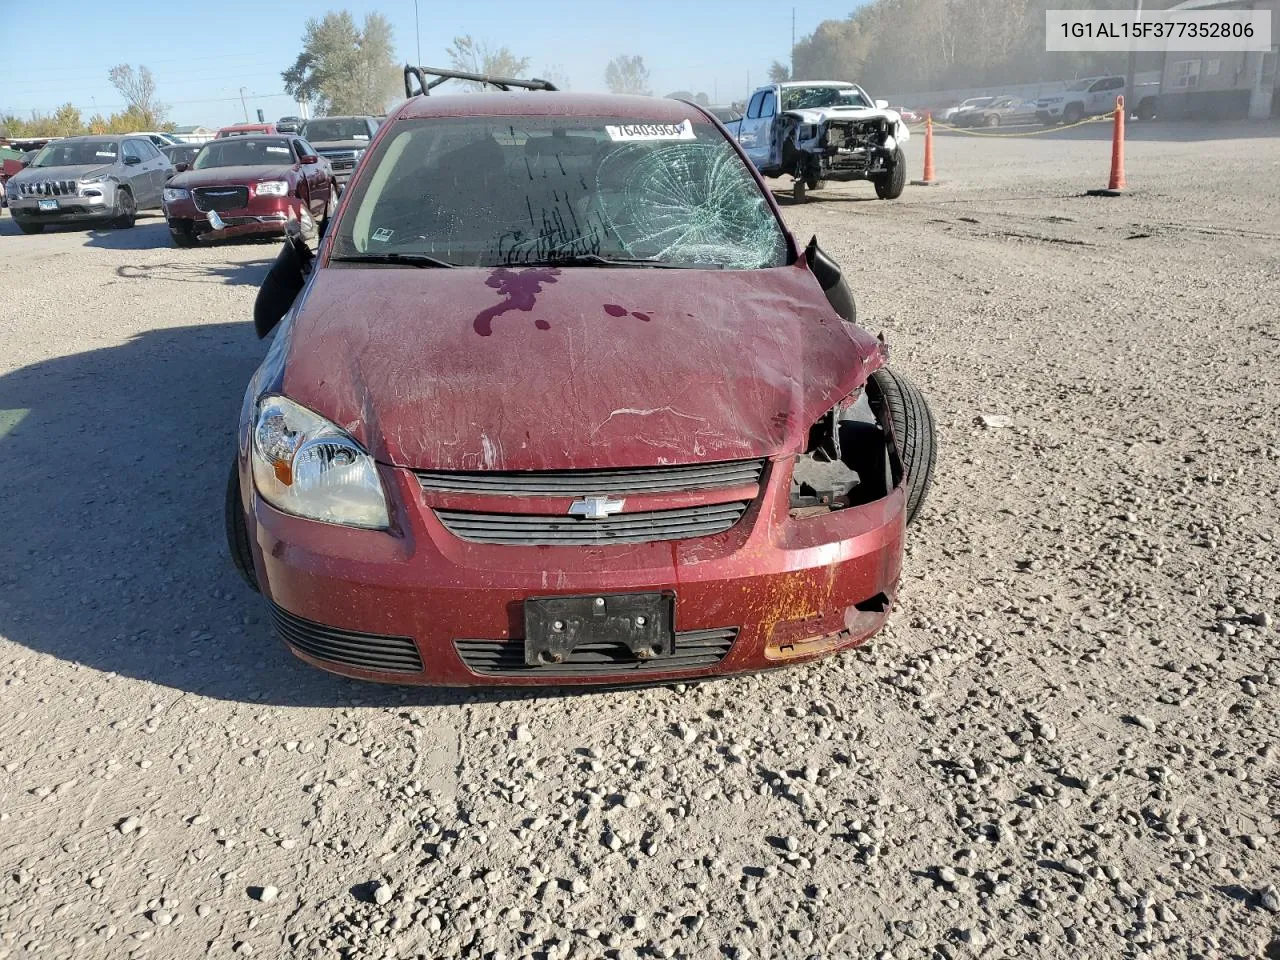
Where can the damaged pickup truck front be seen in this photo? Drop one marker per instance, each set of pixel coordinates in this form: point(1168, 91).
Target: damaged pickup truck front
point(825, 130)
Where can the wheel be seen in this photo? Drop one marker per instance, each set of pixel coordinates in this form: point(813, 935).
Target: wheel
point(183, 234)
point(238, 530)
point(798, 191)
point(26, 226)
point(814, 182)
point(890, 184)
point(126, 209)
point(1073, 113)
point(992, 121)
point(895, 398)
point(1147, 109)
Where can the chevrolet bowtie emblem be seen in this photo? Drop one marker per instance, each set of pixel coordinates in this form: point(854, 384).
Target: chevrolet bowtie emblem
point(595, 508)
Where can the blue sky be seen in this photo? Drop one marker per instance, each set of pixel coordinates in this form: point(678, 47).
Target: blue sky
point(203, 51)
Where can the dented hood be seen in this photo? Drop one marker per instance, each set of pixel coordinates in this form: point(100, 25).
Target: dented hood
point(538, 368)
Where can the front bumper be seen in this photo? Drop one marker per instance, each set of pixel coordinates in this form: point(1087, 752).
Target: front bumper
point(69, 208)
point(262, 216)
point(782, 590)
point(1049, 114)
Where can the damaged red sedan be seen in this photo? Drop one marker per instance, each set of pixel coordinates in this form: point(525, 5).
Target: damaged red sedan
point(560, 400)
point(248, 185)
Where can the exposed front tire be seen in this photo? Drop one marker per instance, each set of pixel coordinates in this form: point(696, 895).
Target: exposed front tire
point(1073, 113)
point(890, 184)
point(238, 531)
point(898, 401)
point(126, 209)
point(26, 226)
point(1147, 108)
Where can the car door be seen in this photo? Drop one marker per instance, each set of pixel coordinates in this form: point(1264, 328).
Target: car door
point(758, 140)
point(159, 167)
point(136, 173)
point(750, 125)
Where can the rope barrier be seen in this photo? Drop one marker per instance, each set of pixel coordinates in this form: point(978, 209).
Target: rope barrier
point(1023, 133)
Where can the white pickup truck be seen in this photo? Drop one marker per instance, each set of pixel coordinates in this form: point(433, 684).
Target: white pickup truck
point(1094, 96)
point(825, 130)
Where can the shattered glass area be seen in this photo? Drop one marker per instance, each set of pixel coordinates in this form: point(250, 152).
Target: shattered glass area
point(546, 190)
point(687, 202)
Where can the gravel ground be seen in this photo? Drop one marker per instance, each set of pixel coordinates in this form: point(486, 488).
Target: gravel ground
point(1064, 745)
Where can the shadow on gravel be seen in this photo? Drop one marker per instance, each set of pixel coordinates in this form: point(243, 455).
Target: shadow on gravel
point(113, 555)
point(244, 274)
point(786, 199)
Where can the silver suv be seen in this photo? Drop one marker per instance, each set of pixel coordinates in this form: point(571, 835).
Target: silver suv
point(88, 179)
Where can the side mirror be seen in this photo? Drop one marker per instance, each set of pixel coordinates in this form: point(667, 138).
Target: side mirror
point(829, 276)
point(182, 167)
point(132, 161)
point(282, 285)
point(311, 159)
point(25, 163)
point(882, 104)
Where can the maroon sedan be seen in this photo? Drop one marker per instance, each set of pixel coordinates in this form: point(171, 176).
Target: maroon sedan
point(248, 185)
point(563, 401)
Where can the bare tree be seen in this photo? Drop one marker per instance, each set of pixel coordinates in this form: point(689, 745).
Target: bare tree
point(628, 74)
point(476, 56)
point(779, 72)
point(138, 88)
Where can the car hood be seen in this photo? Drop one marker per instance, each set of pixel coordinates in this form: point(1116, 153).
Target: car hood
point(80, 171)
point(215, 176)
point(340, 144)
point(536, 368)
point(823, 114)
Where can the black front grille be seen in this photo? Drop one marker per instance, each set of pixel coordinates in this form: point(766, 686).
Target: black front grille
point(540, 529)
point(583, 483)
point(695, 650)
point(220, 198)
point(370, 651)
point(48, 188)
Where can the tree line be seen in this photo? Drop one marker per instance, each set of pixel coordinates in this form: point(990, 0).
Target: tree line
point(143, 111)
point(903, 46)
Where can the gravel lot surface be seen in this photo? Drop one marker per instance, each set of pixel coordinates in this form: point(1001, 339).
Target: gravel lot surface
point(1065, 745)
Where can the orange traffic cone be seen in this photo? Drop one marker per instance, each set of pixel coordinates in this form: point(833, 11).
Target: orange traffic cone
point(928, 180)
point(1117, 183)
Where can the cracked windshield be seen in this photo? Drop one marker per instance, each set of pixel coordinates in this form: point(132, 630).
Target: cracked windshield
point(490, 192)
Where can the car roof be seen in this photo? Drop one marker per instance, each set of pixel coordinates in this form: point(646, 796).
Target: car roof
point(547, 104)
point(258, 136)
point(94, 138)
point(816, 83)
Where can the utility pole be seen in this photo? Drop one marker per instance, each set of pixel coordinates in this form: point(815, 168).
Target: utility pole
point(793, 44)
point(1130, 97)
point(416, 32)
point(243, 106)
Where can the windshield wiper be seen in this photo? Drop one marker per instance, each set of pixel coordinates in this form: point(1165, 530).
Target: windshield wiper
point(398, 259)
point(596, 260)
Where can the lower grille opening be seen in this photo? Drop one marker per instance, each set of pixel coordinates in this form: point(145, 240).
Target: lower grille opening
point(695, 650)
point(370, 651)
point(877, 604)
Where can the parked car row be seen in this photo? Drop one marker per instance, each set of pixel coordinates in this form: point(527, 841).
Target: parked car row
point(250, 179)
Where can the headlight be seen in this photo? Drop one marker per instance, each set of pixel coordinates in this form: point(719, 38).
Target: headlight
point(272, 188)
point(175, 193)
point(89, 181)
point(307, 466)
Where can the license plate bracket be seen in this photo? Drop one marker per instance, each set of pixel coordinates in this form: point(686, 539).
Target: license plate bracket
point(642, 622)
point(47, 205)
